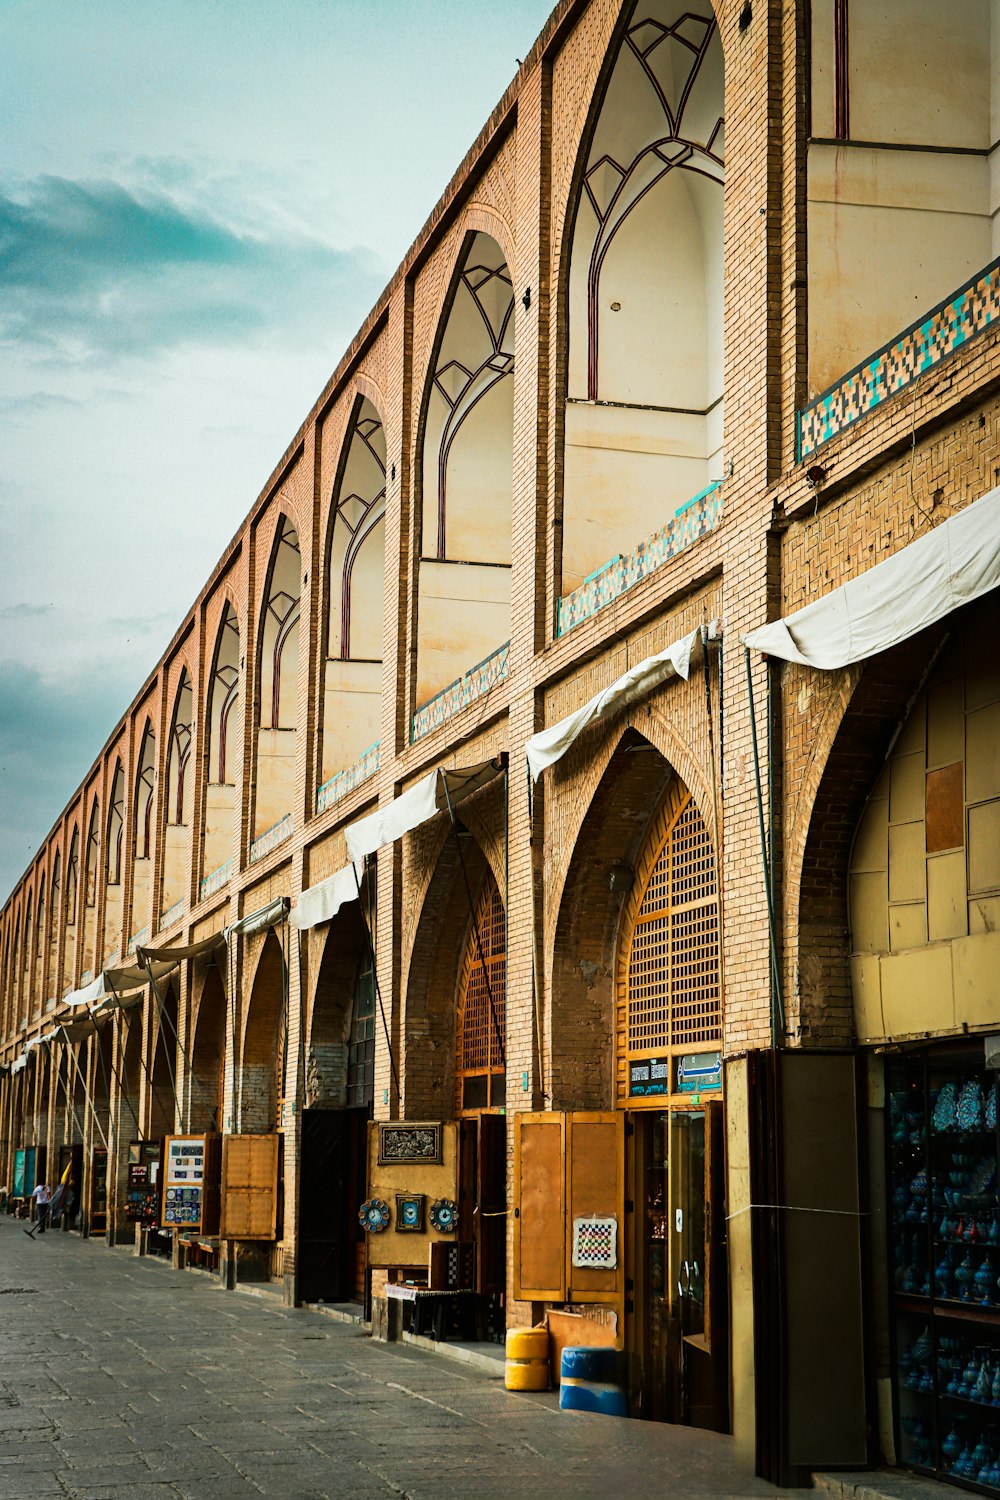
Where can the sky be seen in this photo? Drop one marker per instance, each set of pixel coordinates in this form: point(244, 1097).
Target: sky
point(200, 200)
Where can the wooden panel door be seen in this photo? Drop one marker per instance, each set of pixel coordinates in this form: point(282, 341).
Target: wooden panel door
point(249, 1187)
point(595, 1188)
point(539, 1206)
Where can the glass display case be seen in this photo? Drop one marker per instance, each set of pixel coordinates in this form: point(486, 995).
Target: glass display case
point(942, 1146)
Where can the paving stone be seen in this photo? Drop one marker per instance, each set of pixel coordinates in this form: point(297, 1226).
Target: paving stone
point(169, 1388)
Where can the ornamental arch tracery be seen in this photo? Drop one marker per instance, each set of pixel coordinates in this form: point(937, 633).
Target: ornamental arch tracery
point(355, 593)
point(177, 809)
point(644, 252)
point(142, 831)
point(222, 760)
point(278, 678)
point(466, 472)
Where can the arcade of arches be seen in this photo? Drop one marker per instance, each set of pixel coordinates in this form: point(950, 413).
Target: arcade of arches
point(315, 982)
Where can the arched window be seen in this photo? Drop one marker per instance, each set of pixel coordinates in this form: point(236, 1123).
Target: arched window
point(463, 614)
point(93, 854)
point(480, 1029)
point(179, 757)
point(468, 439)
point(279, 684)
point(54, 904)
point(357, 543)
point(116, 824)
point(223, 696)
point(27, 945)
point(643, 417)
point(40, 920)
point(668, 992)
point(144, 787)
point(72, 878)
point(280, 634)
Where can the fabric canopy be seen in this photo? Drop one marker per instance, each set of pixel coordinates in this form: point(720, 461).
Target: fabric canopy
point(169, 957)
point(129, 975)
point(321, 903)
point(550, 745)
point(264, 916)
point(952, 565)
point(430, 795)
point(20, 1062)
point(88, 993)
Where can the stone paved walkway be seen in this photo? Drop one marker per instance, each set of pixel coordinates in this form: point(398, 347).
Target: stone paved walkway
point(121, 1379)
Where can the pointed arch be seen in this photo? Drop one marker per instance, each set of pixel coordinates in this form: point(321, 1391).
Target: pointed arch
point(55, 916)
point(481, 1007)
point(177, 830)
point(467, 447)
point(278, 676)
point(355, 594)
point(145, 785)
point(221, 761)
point(644, 250)
point(116, 826)
point(261, 1077)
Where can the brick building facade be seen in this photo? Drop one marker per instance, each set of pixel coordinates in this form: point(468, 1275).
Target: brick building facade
point(649, 309)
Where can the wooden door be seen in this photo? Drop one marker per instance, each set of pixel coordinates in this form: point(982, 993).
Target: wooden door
point(491, 1216)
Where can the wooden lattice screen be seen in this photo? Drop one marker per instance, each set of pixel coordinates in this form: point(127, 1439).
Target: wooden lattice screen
point(668, 994)
point(480, 1036)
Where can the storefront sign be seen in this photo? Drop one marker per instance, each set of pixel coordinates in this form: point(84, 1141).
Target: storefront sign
point(649, 1077)
point(699, 1073)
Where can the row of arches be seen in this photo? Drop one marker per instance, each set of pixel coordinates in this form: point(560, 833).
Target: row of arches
point(641, 289)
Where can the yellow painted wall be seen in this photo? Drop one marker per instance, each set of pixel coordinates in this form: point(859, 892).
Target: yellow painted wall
point(220, 803)
point(464, 616)
point(901, 215)
point(925, 919)
point(350, 713)
point(275, 778)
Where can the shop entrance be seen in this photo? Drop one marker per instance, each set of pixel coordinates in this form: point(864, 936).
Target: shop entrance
point(482, 1211)
point(676, 1315)
point(334, 1182)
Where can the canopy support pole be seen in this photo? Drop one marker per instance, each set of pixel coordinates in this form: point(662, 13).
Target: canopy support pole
point(81, 1075)
point(378, 987)
point(188, 1063)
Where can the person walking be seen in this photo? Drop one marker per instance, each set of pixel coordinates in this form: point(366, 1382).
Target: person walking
point(42, 1198)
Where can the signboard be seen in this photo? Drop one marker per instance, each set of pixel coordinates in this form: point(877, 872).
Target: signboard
point(699, 1073)
point(648, 1076)
point(142, 1191)
point(184, 1182)
point(18, 1174)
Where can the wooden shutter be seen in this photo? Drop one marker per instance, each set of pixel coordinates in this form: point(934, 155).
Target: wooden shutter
point(249, 1187)
point(539, 1207)
point(595, 1182)
point(491, 1261)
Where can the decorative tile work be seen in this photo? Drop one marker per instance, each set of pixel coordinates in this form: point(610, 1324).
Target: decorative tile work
point(85, 978)
point(939, 333)
point(215, 881)
point(112, 960)
point(459, 694)
point(692, 521)
point(343, 782)
point(271, 838)
point(168, 917)
point(136, 940)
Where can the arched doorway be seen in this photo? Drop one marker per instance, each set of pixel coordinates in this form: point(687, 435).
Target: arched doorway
point(205, 1086)
point(339, 1095)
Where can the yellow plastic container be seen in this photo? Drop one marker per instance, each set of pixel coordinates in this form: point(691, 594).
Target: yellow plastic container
point(527, 1366)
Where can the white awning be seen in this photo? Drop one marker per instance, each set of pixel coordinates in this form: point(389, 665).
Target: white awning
point(430, 795)
point(321, 903)
point(20, 1062)
point(108, 984)
point(550, 745)
point(952, 565)
point(256, 921)
point(168, 958)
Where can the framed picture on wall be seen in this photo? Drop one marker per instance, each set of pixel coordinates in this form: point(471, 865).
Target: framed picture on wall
point(409, 1213)
point(400, 1144)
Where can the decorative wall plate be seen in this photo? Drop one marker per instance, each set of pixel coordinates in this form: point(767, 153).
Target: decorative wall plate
point(373, 1215)
point(444, 1216)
